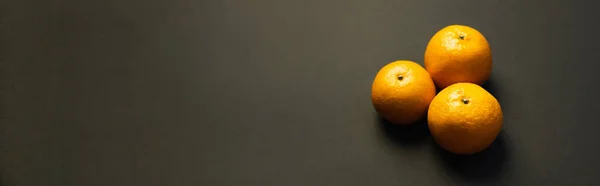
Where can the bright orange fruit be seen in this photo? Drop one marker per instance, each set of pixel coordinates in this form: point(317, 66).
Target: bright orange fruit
point(464, 118)
point(402, 91)
point(458, 53)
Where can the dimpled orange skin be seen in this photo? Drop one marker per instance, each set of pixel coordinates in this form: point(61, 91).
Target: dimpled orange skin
point(402, 101)
point(464, 118)
point(458, 53)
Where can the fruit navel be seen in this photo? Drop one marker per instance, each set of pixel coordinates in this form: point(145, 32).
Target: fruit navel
point(400, 77)
point(465, 101)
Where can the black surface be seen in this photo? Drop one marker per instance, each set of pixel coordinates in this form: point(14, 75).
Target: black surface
point(237, 92)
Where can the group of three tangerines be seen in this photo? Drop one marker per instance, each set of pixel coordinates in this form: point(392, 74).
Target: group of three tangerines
point(463, 117)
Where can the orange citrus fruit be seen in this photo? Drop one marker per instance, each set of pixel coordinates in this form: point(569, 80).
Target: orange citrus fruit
point(464, 118)
point(402, 91)
point(458, 53)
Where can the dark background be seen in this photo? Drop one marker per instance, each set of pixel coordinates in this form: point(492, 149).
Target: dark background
point(258, 92)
